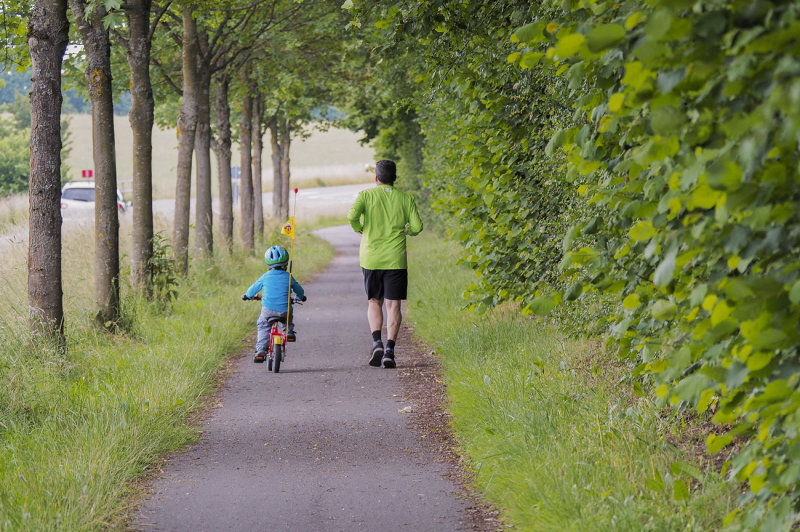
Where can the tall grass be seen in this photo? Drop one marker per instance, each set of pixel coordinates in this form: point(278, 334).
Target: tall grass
point(555, 439)
point(77, 429)
point(13, 213)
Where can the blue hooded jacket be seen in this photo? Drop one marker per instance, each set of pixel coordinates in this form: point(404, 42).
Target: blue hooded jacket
point(275, 284)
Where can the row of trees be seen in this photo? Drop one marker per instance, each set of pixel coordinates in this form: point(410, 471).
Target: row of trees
point(255, 66)
point(645, 151)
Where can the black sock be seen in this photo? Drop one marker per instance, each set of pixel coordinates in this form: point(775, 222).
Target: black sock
point(389, 344)
point(376, 336)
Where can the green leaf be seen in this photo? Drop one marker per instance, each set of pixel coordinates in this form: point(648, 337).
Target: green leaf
point(794, 293)
point(642, 231)
point(663, 309)
point(666, 120)
point(530, 59)
point(686, 470)
point(604, 36)
point(768, 338)
point(556, 141)
point(666, 269)
point(542, 305)
point(631, 302)
point(680, 492)
point(569, 45)
point(725, 175)
point(529, 32)
point(715, 443)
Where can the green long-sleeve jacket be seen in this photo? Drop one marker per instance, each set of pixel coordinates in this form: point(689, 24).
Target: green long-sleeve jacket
point(385, 215)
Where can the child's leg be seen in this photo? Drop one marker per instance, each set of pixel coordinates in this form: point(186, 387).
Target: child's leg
point(262, 325)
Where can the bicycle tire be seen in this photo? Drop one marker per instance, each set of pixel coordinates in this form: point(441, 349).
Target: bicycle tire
point(277, 351)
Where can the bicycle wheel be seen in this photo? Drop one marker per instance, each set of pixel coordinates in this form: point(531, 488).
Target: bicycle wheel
point(277, 351)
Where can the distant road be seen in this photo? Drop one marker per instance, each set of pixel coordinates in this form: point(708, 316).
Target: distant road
point(312, 203)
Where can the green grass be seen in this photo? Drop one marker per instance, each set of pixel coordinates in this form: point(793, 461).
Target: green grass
point(77, 430)
point(324, 158)
point(13, 213)
point(554, 439)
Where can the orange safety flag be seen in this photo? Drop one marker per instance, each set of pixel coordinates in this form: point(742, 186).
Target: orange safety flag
point(288, 228)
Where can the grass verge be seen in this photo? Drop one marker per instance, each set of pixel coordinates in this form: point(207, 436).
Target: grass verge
point(554, 439)
point(77, 429)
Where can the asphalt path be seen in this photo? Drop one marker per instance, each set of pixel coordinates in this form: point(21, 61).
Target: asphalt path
point(321, 446)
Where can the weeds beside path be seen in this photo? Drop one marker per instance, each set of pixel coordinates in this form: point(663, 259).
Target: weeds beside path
point(77, 429)
point(546, 423)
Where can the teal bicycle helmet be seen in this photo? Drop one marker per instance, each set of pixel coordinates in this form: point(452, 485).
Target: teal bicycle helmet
point(276, 256)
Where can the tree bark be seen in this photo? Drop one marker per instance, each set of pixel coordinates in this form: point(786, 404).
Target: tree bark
point(203, 215)
point(223, 151)
point(277, 181)
point(97, 44)
point(246, 193)
point(187, 126)
point(141, 117)
point(285, 174)
point(48, 34)
point(258, 148)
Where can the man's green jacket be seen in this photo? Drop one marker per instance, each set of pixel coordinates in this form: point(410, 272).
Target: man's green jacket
point(385, 215)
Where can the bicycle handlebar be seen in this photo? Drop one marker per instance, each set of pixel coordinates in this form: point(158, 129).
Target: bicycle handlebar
point(257, 297)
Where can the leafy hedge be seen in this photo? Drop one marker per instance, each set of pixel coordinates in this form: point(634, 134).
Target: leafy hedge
point(644, 151)
point(688, 122)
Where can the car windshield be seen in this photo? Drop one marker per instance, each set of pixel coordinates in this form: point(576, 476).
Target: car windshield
point(78, 194)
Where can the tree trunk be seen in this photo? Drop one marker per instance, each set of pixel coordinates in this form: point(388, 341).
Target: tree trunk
point(246, 193)
point(187, 126)
point(258, 148)
point(277, 182)
point(141, 118)
point(48, 34)
point(223, 151)
point(285, 177)
point(106, 223)
point(203, 215)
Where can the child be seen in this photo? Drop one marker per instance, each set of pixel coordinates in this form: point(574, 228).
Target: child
point(275, 299)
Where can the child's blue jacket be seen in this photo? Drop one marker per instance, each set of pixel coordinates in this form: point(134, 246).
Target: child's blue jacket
point(275, 284)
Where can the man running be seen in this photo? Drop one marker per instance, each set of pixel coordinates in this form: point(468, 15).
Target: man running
point(384, 216)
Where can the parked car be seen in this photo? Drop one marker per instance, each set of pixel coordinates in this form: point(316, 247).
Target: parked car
point(79, 195)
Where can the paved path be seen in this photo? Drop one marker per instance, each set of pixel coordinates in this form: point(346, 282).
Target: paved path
point(320, 446)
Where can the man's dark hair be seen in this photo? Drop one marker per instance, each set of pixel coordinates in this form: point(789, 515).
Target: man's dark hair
point(386, 171)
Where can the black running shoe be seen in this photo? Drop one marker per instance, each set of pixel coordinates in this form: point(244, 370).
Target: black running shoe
point(291, 337)
point(260, 357)
point(388, 358)
point(377, 354)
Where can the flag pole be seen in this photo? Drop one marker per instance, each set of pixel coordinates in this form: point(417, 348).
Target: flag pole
point(291, 254)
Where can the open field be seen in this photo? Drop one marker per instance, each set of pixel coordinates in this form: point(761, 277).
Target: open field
point(332, 157)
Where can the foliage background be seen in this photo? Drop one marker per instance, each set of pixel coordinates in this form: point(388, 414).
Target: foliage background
point(639, 155)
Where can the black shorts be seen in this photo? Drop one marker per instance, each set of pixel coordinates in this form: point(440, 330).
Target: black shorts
point(386, 284)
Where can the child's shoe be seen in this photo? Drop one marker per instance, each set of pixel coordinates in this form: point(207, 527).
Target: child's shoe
point(259, 357)
point(291, 336)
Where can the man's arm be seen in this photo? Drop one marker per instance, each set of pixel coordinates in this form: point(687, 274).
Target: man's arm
point(354, 216)
point(414, 226)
